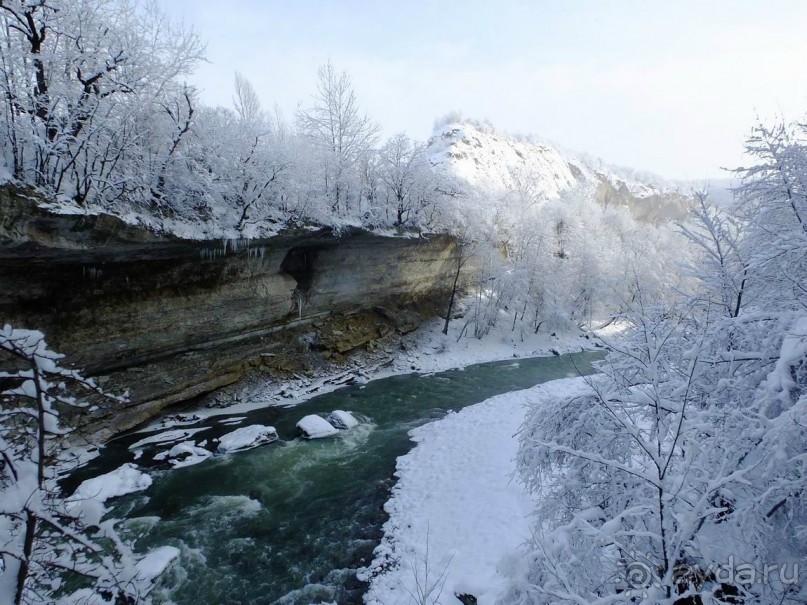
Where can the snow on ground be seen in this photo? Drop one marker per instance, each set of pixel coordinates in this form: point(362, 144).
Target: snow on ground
point(246, 438)
point(429, 350)
point(497, 162)
point(179, 420)
point(124, 480)
point(455, 507)
point(316, 427)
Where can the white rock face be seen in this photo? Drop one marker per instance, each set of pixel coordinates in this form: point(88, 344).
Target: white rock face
point(342, 420)
point(247, 437)
point(316, 427)
point(497, 163)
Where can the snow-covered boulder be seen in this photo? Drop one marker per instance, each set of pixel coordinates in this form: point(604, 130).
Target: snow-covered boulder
point(342, 420)
point(165, 437)
point(155, 562)
point(247, 437)
point(316, 427)
point(184, 454)
point(124, 480)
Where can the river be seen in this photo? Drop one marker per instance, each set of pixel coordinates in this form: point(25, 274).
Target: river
point(290, 522)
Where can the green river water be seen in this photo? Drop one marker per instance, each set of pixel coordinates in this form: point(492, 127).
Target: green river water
point(292, 521)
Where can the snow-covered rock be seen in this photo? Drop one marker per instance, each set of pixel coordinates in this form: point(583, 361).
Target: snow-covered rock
point(165, 437)
point(494, 161)
point(186, 453)
point(125, 480)
point(247, 437)
point(316, 427)
point(496, 164)
point(342, 420)
point(155, 562)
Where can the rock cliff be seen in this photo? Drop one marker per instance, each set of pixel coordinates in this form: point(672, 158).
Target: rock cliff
point(169, 319)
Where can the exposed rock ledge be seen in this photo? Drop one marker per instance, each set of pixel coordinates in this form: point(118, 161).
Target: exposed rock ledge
point(169, 319)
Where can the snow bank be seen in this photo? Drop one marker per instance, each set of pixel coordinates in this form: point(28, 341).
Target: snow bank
point(316, 427)
point(247, 437)
point(124, 480)
point(342, 420)
point(455, 499)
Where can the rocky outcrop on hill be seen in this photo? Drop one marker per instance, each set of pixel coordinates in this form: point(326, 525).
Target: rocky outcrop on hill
point(499, 164)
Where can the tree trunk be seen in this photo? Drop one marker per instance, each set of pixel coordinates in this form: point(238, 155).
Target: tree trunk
point(28, 547)
point(453, 293)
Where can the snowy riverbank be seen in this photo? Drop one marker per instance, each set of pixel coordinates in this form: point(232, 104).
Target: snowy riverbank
point(457, 514)
point(425, 350)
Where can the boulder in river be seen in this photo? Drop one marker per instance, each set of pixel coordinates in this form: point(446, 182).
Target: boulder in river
point(342, 420)
point(246, 438)
point(316, 427)
point(182, 454)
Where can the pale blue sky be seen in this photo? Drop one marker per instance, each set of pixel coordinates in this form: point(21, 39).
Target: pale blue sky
point(671, 87)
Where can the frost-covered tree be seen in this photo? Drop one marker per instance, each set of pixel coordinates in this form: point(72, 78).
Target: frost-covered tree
point(52, 547)
point(565, 263)
point(717, 236)
point(773, 204)
point(339, 134)
point(677, 476)
point(406, 177)
point(85, 83)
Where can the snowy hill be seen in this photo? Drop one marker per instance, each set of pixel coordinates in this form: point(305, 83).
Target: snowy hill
point(499, 164)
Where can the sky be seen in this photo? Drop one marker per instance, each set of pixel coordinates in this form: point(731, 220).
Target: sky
point(670, 87)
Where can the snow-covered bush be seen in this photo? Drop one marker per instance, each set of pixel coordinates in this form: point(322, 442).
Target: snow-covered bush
point(52, 547)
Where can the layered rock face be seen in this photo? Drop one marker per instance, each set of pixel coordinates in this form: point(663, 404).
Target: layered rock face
point(169, 319)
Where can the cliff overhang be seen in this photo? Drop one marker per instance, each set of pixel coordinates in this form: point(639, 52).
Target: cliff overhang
point(168, 319)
